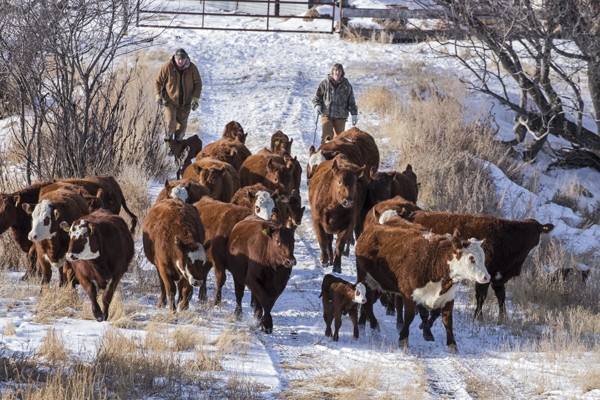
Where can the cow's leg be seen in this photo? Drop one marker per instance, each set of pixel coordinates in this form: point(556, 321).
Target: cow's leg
point(267, 321)
point(92, 293)
point(424, 314)
point(239, 294)
point(70, 274)
point(500, 292)
point(398, 304)
point(258, 311)
point(353, 314)
point(220, 277)
point(343, 237)
point(202, 290)
point(32, 265)
point(107, 297)
point(409, 315)
point(337, 315)
point(447, 318)
point(330, 248)
point(480, 295)
point(322, 239)
point(390, 307)
point(328, 317)
point(46, 269)
point(185, 294)
point(162, 298)
point(367, 309)
point(170, 288)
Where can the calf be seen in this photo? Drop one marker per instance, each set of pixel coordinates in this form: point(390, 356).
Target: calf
point(269, 170)
point(233, 130)
point(247, 197)
point(173, 238)
point(219, 219)
point(341, 298)
point(113, 195)
point(187, 190)
point(183, 151)
point(261, 256)
point(358, 146)
point(281, 142)
point(332, 193)
point(50, 240)
point(284, 158)
point(14, 217)
point(386, 185)
point(219, 177)
point(100, 250)
point(399, 204)
point(424, 269)
point(230, 151)
point(507, 245)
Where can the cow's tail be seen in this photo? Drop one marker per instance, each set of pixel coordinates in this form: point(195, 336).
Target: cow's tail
point(133, 217)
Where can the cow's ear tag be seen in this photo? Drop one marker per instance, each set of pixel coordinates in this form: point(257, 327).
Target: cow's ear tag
point(265, 232)
point(277, 143)
point(276, 199)
point(361, 175)
point(394, 178)
point(419, 186)
point(16, 203)
point(168, 143)
point(68, 229)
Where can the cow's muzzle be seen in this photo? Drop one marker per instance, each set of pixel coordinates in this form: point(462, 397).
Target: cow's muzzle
point(72, 257)
point(290, 262)
point(486, 279)
point(347, 203)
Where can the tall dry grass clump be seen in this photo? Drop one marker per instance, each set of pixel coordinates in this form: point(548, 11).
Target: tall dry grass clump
point(53, 348)
point(445, 142)
point(57, 302)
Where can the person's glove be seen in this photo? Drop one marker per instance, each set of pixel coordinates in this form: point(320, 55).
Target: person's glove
point(354, 120)
point(159, 100)
point(195, 104)
point(318, 109)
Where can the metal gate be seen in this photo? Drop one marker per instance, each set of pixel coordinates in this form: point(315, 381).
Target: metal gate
point(261, 15)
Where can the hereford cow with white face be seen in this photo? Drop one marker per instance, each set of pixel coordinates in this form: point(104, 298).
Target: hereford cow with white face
point(100, 250)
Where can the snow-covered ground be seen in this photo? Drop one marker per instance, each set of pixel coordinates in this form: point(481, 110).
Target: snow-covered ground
point(266, 82)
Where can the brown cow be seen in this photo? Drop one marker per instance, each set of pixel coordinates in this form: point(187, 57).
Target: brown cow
point(187, 190)
point(424, 268)
point(332, 193)
point(507, 245)
point(219, 177)
point(261, 256)
point(386, 185)
point(14, 217)
point(174, 242)
point(268, 170)
point(247, 197)
point(295, 210)
point(281, 142)
point(358, 146)
point(284, 158)
point(219, 219)
point(230, 151)
point(113, 195)
point(184, 150)
point(95, 201)
point(100, 250)
point(233, 130)
point(50, 240)
point(341, 298)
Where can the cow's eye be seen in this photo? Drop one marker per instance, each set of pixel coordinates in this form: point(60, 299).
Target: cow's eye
point(340, 183)
point(472, 259)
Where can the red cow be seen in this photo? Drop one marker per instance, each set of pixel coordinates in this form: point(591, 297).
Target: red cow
point(281, 142)
point(100, 250)
point(230, 151)
point(233, 130)
point(261, 256)
point(219, 177)
point(173, 238)
point(398, 257)
point(247, 197)
point(341, 298)
point(187, 190)
point(385, 185)
point(269, 170)
point(399, 204)
point(332, 193)
point(184, 151)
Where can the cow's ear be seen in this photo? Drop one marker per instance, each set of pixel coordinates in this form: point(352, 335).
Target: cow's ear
point(65, 226)
point(456, 241)
point(17, 200)
point(233, 152)
point(222, 171)
point(408, 168)
point(403, 213)
point(334, 166)
point(197, 169)
point(56, 214)
point(312, 150)
point(167, 184)
point(290, 165)
point(267, 231)
point(361, 172)
point(289, 224)
point(291, 141)
point(270, 165)
point(100, 194)
point(179, 244)
point(248, 195)
point(376, 214)
point(327, 138)
point(28, 207)
point(207, 245)
point(373, 173)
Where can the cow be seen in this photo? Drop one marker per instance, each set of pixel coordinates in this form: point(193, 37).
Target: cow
point(295, 210)
point(219, 219)
point(246, 197)
point(184, 151)
point(281, 142)
point(423, 268)
point(333, 196)
point(284, 158)
point(399, 204)
point(113, 195)
point(50, 240)
point(358, 146)
point(386, 185)
point(268, 170)
point(233, 130)
point(227, 150)
point(14, 217)
point(100, 250)
point(174, 242)
point(187, 190)
point(260, 255)
point(341, 297)
point(221, 179)
point(507, 245)
point(95, 201)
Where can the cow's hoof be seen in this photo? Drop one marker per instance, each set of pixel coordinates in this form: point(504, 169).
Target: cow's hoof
point(337, 270)
point(376, 327)
point(428, 336)
point(268, 331)
point(452, 348)
point(403, 343)
point(328, 332)
point(361, 327)
point(335, 338)
point(391, 312)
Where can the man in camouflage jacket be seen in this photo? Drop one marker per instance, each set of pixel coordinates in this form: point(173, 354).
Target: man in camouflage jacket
point(178, 86)
point(333, 100)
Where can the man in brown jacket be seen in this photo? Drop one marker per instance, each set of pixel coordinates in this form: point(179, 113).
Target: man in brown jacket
point(178, 86)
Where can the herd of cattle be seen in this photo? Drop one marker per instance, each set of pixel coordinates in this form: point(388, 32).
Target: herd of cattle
point(235, 211)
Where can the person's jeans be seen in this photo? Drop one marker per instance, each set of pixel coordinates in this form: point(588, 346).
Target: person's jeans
point(176, 119)
point(330, 126)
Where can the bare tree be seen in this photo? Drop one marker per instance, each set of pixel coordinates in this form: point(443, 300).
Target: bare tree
point(542, 46)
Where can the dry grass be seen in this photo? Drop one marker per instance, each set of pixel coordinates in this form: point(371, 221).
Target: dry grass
point(57, 302)
point(9, 329)
point(357, 35)
point(234, 340)
point(135, 182)
point(311, 14)
point(53, 348)
point(13, 258)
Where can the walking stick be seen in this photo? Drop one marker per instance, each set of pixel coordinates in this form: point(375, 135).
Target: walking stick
point(316, 125)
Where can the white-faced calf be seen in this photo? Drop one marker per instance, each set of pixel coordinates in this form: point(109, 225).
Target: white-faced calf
point(341, 297)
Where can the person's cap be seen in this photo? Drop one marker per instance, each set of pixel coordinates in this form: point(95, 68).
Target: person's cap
point(338, 67)
point(180, 53)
